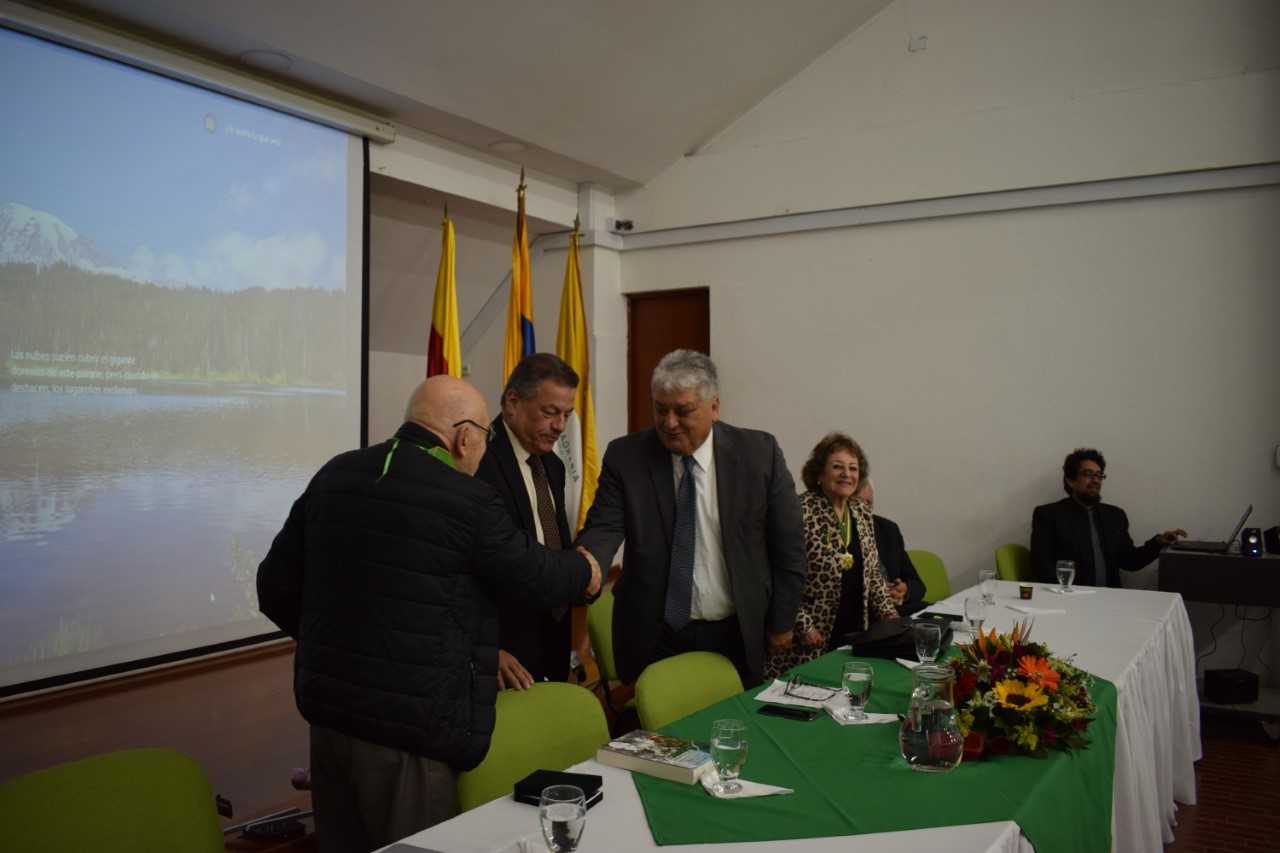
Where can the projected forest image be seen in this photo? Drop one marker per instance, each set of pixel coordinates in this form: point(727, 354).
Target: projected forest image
point(179, 350)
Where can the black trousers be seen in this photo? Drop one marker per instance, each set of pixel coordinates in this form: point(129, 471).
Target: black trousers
point(723, 636)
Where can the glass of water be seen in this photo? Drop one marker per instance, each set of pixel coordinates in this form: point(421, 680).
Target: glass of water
point(856, 678)
point(975, 613)
point(729, 753)
point(562, 811)
point(1066, 575)
point(987, 582)
point(928, 637)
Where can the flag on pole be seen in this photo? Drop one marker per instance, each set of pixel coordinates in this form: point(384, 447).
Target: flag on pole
point(577, 444)
point(444, 348)
point(520, 305)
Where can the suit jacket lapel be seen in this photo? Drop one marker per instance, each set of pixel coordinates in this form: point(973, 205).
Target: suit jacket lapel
point(664, 484)
point(505, 456)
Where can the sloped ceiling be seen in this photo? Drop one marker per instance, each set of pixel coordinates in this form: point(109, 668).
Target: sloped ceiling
point(596, 90)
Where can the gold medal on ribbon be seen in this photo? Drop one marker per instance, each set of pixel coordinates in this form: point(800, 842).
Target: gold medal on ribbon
point(846, 562)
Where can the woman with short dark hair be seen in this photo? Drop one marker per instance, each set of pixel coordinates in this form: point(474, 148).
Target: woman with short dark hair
point(845, 588)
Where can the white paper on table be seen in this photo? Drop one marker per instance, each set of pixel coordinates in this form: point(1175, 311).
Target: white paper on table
point(838, 706)
point(749, 789)
point(1035, 611)
point(909, 664)
point(1075, 590)
point(776, 694)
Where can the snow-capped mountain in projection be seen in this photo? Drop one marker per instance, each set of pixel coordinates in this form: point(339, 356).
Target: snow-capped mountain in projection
point(35, 237)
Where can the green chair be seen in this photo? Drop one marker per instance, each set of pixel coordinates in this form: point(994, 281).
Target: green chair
point(600, 630)
point(550, 726)
point(1013, 563)
point(678, 686)
point(136, 800)
point(937, 585)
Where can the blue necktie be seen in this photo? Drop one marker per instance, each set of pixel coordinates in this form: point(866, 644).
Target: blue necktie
point(683, 536)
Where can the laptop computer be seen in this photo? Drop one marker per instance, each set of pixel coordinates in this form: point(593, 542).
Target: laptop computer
point(1214, 547)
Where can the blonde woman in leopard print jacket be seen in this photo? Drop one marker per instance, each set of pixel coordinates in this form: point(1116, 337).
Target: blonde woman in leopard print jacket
point(839, 537)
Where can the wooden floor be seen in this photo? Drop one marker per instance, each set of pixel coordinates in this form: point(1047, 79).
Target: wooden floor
point(1238, 787)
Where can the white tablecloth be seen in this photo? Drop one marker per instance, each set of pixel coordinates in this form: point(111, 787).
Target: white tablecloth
point(1139, 640)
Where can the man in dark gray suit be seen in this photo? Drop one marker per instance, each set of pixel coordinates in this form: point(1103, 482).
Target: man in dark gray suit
point(714, 557)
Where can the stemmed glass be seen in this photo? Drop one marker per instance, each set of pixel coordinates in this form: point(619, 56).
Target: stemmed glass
point(1066, 575)
point(975, 613)
point(562, 810)
point(928, 637)
point(856, 678)
point(729, 753)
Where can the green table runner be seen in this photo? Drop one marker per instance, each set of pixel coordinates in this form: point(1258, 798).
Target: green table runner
point(851, 779)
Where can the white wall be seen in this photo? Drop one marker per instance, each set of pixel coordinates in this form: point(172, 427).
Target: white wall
point(969, 354)
point(1007, 93)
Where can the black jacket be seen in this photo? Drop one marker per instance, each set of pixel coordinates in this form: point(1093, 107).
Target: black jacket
point(897, 563)
point(761, 533)
point(1060, 531)
point(387, 583)
point(532, 634)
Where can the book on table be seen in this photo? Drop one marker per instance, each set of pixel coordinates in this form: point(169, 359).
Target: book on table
point(656, 754)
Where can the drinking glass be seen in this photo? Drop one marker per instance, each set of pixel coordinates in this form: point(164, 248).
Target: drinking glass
point(1066, 575)
point(928, 638)
point(856, 678)
point(729, 753)
point(987, 582)
point(562, 810)
point(975, 613)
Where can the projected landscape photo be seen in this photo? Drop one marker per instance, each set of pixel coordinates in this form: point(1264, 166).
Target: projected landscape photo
point(179, 352)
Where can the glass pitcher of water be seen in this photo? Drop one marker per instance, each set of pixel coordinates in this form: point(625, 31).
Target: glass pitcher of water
point(930, 738)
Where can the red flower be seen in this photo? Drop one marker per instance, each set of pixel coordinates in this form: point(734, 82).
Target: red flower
point(975, 743)
point(1079, 725)
point(1049, 737)
point(966, 683)
point(998, 745)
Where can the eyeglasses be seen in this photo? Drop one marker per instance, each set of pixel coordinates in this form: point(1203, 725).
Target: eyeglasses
point(801, 689)
point(487, 430)
point(1093, 475)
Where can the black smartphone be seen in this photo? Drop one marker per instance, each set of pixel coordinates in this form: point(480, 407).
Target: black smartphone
point(941, 618)
point(789, 713)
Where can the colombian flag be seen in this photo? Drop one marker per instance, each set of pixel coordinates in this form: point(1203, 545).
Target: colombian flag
point(444, 348)
point(577, 444)
point(520, 306)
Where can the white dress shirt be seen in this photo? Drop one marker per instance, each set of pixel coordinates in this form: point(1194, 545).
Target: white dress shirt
point(526, 474)
point(712, 589)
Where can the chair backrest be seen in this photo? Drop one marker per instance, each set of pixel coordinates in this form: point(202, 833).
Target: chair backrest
point(137, 800)
point(937, 585)
point(1013, 562)
point(678, 686)
point(550, 726)
point(600, 630)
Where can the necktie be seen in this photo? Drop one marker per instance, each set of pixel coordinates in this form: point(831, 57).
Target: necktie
point(546, 515)
point(684, 535)
point(546, 507)
point(1100, 577)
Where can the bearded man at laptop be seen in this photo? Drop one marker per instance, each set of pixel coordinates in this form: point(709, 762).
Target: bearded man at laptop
point(1082, 528)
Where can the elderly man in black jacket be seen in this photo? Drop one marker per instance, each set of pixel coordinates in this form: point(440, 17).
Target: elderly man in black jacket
point(905, 584)
point(385, 573)
point(1081, 528)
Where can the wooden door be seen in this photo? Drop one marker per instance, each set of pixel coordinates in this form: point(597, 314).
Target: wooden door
point(658, 323)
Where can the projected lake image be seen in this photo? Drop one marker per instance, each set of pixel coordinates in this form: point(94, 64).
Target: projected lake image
point(119, 504)
point(180, 351)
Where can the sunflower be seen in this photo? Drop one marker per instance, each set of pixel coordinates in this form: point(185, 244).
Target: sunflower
point(1019, 696)
point(1039, 671)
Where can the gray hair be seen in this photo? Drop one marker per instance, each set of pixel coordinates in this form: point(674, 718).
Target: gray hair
point(683, 369)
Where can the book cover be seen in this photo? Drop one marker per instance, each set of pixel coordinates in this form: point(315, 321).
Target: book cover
point(656, 754)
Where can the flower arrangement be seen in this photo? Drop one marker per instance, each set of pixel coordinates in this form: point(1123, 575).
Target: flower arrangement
point(1011, 695)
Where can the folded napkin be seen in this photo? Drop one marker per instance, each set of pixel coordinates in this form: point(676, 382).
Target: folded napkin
point(909, 664)
point(1075, 590)
point(749, 789)
point(1035, 611)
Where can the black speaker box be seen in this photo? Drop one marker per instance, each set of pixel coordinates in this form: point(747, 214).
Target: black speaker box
point(1230, 686)
point(1272, 538)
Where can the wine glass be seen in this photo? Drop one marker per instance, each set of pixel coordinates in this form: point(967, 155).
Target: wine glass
point(1066, 575)
point(928, 637)
point(856, 678)
point(729, 753)
point(987, 582)
point(562, 810)
point(975, 613)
